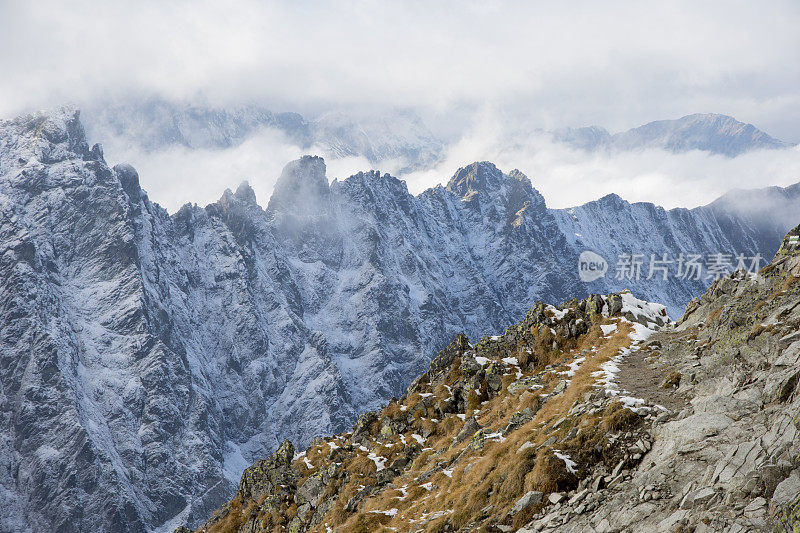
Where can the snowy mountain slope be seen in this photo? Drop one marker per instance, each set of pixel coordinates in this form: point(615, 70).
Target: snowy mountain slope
point(710, 132)
point(147, 358)
point(738, 223)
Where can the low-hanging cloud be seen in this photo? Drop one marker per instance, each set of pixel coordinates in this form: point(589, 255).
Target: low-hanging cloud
point(177, 174)
point(565, 176)
point(618, 63)
point(478, 72)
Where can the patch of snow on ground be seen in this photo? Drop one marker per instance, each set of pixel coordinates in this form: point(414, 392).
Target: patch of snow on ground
point(640, 333)
point(483, 361)
point(498, 436)
point(608, 373)
point(608, 329)
point(402, 490)
point(574, 366)
point(567, 461)
point(379, 461)
point(637, 307)
point(390, 512)
point(559, 313)
point(417, 438)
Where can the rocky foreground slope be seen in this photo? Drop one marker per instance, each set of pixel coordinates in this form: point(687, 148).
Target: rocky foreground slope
point(596, 415)
point(147, 358)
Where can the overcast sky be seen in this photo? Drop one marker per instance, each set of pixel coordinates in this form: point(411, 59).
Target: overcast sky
point(617, 64)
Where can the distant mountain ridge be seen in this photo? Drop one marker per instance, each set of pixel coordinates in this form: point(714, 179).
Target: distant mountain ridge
point(146, 358)
point(396, 138)
point(714, 133)
point(155, 124)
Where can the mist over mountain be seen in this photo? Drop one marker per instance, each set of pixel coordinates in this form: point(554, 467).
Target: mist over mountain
point(175, 142)
point(147, 358)
point(385, 134)
point(156, 124)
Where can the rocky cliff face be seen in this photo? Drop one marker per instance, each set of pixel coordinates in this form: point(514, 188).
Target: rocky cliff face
point(598, 415)
point(146, 358)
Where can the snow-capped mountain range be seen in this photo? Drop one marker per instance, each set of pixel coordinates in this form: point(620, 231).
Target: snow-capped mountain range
point(146, 358)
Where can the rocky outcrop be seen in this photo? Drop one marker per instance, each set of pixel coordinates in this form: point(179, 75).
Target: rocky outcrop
point(728, 460)
point(481, 438)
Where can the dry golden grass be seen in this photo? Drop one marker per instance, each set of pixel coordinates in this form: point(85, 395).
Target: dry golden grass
point(235, 517)
point(788, 284)
point(362, 466)
point(550, 474)
point(498, 473)
point(365, 523)
point(712, 317)
point(617, 417)
point(392, 410)
point(757, 330)
point(673, 381)
point(584, 378)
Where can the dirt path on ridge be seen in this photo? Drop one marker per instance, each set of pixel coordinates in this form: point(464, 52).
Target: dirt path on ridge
point(642, 374)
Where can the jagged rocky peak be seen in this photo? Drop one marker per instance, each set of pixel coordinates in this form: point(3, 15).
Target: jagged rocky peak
point(51, 136)
point(372, 189)
point(129, 178)
point(481, 176)
point(245, 194)
point(302, 189)
point(487, 189)
point(612, 200)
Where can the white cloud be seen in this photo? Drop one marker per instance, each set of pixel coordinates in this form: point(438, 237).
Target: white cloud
point(179, 175)
point(618, 63)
